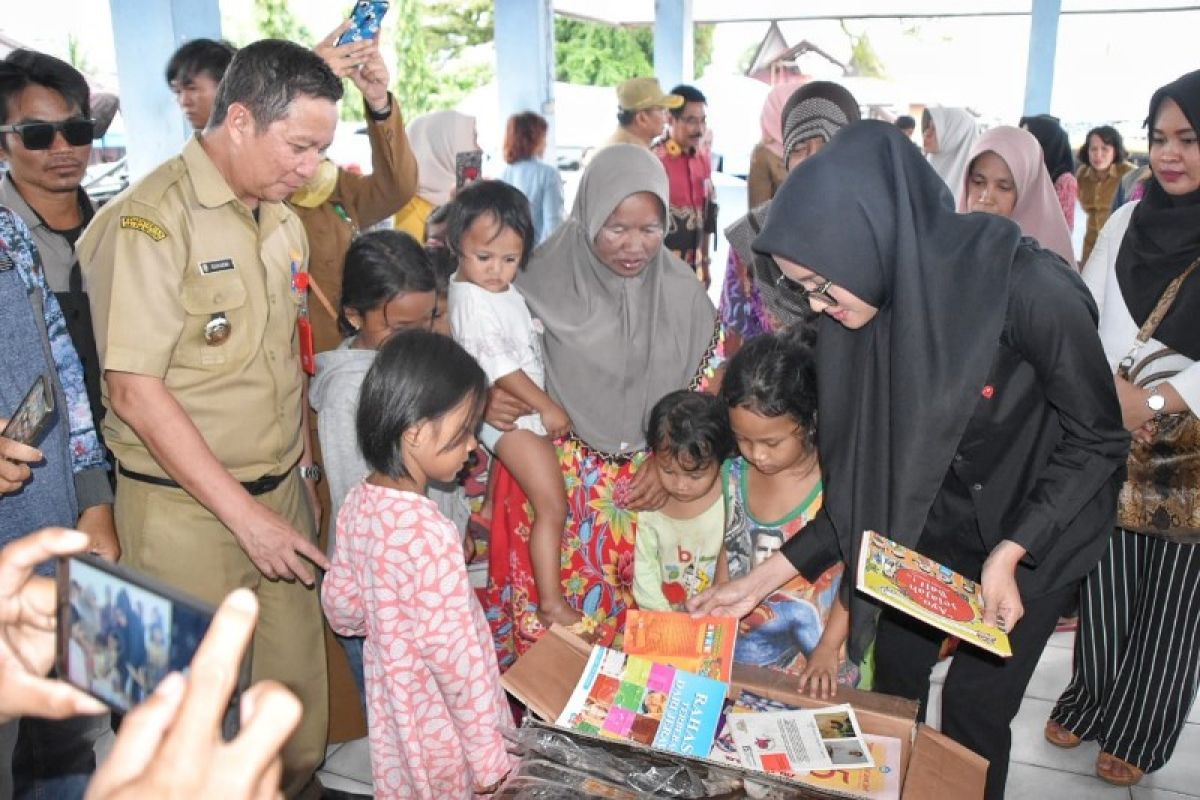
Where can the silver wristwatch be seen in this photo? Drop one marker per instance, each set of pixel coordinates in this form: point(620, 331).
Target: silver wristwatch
point(1156, 402)
point(310, 472)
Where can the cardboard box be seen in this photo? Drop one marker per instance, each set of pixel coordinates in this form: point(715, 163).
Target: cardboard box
point(932, 765)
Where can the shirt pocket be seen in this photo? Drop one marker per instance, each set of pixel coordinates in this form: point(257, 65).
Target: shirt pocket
point(206, 300)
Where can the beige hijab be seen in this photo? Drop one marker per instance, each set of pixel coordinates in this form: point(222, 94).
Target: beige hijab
point(435, 140)
point(614, 345)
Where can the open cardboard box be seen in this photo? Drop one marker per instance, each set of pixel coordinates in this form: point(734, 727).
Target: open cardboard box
point(932, 765)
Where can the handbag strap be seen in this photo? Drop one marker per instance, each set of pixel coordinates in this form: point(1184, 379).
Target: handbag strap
point(1164, 304)
point(1156, 316)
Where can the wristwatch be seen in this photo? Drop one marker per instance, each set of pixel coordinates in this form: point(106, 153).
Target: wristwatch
point(1156, 402)
point(310, 472)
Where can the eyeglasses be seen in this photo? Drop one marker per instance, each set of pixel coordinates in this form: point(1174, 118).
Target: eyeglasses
point(798, 292)
point(40, 135)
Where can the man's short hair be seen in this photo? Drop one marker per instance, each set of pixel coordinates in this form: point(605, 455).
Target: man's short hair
point(906, 123)
point(267, 75)
point(690, 94)
point(625, 118)
point(24, 68)
point(206, 56)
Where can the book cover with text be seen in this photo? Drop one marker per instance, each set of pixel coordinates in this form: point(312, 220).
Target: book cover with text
point(703, 645)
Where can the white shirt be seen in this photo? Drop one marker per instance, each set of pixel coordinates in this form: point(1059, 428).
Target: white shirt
point(1118, 331)
point(498, 330)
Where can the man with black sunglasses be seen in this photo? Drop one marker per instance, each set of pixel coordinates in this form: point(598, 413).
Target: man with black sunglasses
point(46, 135)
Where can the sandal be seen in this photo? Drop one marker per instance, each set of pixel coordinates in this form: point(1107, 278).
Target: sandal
point(1059, 736)
point(1116, 771)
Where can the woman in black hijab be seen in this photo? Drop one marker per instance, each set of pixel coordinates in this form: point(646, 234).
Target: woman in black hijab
point(1138, 647)
point(965, 408)
point(1060, 163)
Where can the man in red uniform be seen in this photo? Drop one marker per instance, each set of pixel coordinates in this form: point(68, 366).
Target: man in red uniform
point(689, 170)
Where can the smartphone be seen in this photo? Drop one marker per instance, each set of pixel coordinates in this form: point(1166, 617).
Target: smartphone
point(121, 632)
point(33, 415)
point(468, 167)
point(364, 19)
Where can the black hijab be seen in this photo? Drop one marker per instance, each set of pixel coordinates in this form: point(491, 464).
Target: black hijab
point(1162, 239)
point(1056, 147)
point(894, 398)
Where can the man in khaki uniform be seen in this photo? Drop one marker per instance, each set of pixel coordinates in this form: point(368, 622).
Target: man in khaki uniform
point(191, 277)
point(642, 108)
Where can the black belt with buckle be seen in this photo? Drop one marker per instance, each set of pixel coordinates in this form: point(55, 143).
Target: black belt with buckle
point(263, 485)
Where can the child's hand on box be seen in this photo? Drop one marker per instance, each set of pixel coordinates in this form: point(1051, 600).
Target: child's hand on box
point(820, 674)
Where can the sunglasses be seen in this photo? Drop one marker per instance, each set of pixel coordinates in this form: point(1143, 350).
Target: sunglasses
point(40, 135)
point(797, 291)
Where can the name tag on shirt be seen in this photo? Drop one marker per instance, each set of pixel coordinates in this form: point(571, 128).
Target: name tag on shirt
point(220, 265)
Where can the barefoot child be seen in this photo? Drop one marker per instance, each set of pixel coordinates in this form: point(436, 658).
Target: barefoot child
point(774, 489)
point(678, 552)
point(491, 233)
point(398, 577)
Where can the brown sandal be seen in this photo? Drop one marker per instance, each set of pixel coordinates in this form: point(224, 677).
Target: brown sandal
point(1116, 771)
point(1059, 736)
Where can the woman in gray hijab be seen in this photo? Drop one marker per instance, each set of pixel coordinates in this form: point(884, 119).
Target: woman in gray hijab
point(750, 305)
point(625, 322)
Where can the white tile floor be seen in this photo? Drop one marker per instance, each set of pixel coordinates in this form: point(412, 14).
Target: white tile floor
point(1038, 770)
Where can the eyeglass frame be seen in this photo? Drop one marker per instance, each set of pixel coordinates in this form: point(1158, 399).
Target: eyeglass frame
point(821, 292)
point(56, 128)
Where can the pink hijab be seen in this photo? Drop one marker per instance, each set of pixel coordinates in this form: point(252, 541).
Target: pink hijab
point(772, 116)
point(1037, 210)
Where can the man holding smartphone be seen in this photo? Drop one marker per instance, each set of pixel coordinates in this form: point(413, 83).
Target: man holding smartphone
point(194, 279)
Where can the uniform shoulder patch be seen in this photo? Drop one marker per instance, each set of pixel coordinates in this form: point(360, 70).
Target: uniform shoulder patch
point(151, 229)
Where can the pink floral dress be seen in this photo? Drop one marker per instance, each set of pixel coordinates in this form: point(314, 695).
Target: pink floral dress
point(435, 706)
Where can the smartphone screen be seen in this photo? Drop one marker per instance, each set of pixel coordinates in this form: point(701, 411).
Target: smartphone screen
point(29, 421)
point(365, 19)
point(120, 633)
point(468, 167)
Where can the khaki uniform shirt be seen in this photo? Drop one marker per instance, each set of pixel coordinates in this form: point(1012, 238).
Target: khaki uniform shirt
point(164, 258)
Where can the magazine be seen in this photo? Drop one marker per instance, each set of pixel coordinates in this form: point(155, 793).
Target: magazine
point(882, 782)
point(703, 645)
point(789, 742)
point(631, 698)
point(928, 591)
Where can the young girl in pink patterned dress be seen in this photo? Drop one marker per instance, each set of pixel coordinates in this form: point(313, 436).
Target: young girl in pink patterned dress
point(435, 706)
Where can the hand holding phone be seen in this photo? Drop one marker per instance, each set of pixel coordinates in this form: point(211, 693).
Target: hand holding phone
point(168, 745)
point(15, 459)
point(365, 19)
point(33, 415)
point(27, 613)
point(468, 167)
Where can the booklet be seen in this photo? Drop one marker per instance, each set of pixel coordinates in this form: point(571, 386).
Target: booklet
point(703, 645)
point(923, 588)
point(631, 698)
point(789, 742)
point(882, 782)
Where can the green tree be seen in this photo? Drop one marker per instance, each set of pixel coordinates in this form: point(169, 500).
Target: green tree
point(275, 20)
point(596, 54)
point(415, 82)
point(864, 62)
point(76, 56)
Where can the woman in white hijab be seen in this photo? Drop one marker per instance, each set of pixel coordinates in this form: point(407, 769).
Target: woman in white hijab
point(436, 140)
point(947, 135)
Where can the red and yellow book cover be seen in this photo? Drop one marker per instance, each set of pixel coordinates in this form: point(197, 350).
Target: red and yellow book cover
point(703, 645)
point(927, 590)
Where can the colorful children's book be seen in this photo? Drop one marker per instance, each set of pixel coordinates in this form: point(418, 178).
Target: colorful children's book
point(703, 645)
point(923, 588)
point(631, 698)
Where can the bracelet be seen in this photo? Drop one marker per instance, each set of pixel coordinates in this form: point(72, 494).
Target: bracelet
point(380, 116)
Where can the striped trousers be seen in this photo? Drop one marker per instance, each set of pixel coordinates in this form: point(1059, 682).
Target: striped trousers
point(1137, 652)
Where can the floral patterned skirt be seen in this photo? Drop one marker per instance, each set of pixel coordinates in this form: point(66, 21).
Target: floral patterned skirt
point(597, 551)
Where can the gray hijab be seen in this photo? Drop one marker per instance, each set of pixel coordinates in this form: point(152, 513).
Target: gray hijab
point(614, 345)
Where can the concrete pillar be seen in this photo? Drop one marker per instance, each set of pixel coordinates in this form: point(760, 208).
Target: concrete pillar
point(674, 43)
point(1043, 41)
point(525, 61)
point(145, 34)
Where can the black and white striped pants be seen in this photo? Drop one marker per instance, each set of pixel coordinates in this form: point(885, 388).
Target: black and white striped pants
point(1137, 652)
